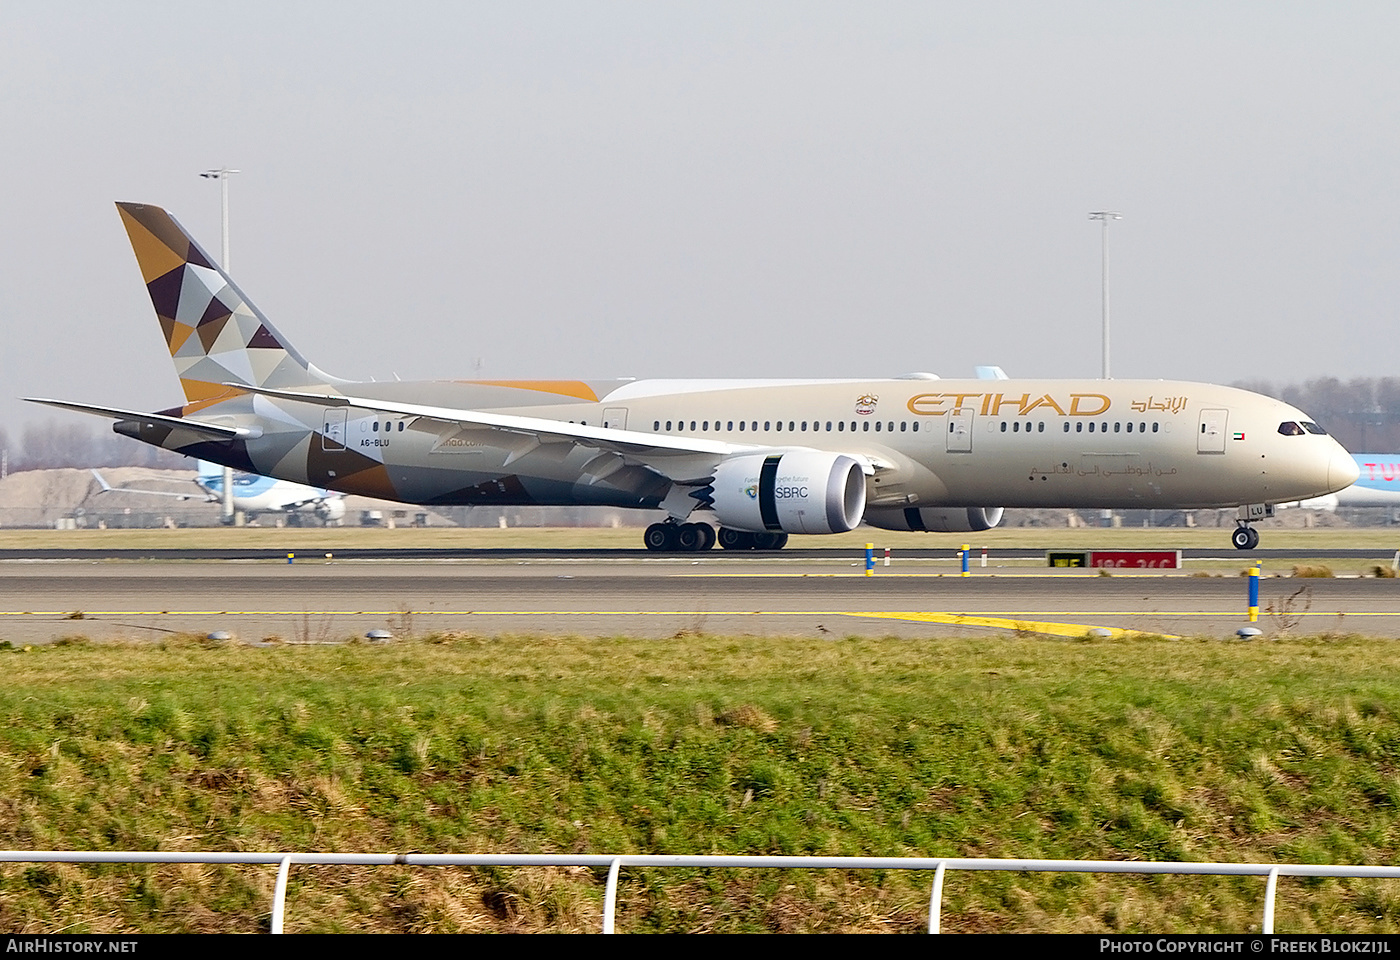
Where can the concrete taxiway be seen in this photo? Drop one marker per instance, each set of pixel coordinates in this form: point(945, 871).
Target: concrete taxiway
point(330, 600)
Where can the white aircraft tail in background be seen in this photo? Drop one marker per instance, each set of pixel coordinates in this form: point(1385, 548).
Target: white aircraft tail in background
point(252, 494)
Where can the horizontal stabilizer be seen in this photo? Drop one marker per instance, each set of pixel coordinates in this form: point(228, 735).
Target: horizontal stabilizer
point(108, 488)
point(214, 430)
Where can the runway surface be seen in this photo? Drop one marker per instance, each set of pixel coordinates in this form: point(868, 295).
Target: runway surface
point(821, 554)
point(329, 601)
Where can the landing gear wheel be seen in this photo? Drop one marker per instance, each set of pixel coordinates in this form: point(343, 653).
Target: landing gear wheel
point(1245, 538)
point(689, 537)
point(735, 539)
point(770, 541)
point(660, 537)
point(707, 537)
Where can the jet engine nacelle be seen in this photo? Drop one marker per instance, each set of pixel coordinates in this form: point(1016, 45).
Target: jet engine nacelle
point(796, 492)
point(936, 519)
point(331, 510)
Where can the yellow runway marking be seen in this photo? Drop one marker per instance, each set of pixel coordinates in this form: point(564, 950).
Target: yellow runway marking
point(1050, 627)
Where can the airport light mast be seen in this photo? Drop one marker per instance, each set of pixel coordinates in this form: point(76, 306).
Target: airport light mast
point(222, 174)
point(1103, 216)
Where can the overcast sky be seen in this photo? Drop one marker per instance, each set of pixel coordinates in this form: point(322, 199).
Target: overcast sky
point(591, 189)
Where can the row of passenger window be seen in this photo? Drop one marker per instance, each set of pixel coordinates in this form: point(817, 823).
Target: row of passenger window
point(839, 426)
point(793, 426)
point(1119, 426)
point(888, 426)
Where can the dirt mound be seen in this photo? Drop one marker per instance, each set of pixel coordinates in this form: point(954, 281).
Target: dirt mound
point(38, 498)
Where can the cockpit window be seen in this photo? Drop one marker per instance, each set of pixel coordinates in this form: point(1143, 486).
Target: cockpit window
point(1290, 429)
point(1314, 428)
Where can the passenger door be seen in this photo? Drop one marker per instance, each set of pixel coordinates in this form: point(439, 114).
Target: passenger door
point(333, 430)
point(1210, 437)
point(959, 436)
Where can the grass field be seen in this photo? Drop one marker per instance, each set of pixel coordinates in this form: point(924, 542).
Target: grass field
point(1009, 747)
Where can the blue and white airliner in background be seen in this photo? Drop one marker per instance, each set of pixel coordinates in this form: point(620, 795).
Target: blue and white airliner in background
point(254, 495)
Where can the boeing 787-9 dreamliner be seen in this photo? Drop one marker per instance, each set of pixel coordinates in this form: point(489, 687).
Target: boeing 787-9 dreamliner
point(757, 459)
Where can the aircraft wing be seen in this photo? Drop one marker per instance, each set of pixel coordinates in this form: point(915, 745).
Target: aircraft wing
point(214, 430)
point(683, 459)
point(108, 488)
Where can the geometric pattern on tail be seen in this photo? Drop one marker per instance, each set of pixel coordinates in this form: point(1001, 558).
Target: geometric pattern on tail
point(215, 336)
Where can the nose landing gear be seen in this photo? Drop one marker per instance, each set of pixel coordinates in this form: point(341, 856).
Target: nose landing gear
point(1245, 537)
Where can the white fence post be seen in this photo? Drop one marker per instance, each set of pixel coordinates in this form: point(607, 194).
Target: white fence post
point(935, 901)
point(279, 893)
point(610, 895)
point(1269, 891)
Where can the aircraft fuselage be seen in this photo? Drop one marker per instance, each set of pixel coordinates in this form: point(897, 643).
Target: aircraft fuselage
point(959, 443)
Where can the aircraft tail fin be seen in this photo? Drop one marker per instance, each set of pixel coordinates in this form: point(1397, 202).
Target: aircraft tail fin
point(215, 334)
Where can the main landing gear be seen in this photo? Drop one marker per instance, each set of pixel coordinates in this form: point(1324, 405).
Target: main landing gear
point(743, 540)
point(670, 537)
point(679, 537)
point(1245, 537)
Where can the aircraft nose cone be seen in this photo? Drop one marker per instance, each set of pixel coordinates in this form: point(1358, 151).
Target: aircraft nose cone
point(1342, 470)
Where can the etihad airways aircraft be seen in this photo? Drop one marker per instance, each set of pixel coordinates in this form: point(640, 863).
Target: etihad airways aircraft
point(253, 495)
point(760, 458)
